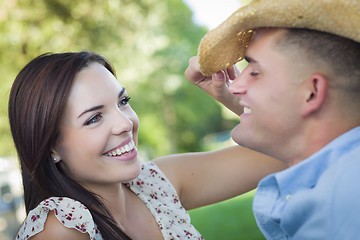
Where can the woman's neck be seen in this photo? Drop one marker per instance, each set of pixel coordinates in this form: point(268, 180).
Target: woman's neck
point(114, 197)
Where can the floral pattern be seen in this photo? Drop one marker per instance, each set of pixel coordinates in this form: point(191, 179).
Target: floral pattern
point(155, 190)
point(151, 186)
point(69, 212)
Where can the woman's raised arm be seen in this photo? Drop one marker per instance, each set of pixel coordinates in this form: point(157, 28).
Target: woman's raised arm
point(209, 177)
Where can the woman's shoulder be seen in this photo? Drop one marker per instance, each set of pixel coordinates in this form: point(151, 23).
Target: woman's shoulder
point(150, 183)
point(158, 194)
point(54, 229)
point(62, 215)
point(150, 175)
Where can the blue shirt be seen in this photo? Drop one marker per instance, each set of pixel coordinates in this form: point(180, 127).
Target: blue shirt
point(318, 198)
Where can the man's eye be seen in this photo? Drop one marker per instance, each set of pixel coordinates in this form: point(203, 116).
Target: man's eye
point(93, 119)
point(124, 101)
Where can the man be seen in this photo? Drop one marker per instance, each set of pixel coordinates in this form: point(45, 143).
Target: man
point(301, 96)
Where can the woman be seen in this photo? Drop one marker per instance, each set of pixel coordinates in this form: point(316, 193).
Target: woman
point(76, 138)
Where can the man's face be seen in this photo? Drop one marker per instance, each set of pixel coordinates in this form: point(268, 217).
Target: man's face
point(268, 88)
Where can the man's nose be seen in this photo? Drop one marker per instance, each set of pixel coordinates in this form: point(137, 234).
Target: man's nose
point(238, 85)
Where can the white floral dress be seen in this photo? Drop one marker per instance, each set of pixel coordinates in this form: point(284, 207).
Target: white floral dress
point(151, 186)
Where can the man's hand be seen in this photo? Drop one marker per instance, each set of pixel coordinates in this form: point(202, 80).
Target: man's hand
point(217, 85)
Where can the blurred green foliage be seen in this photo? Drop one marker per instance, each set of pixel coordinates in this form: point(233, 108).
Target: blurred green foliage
point(231, 220)
point(148, 42)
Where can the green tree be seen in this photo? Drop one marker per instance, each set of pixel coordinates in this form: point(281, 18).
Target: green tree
point(149, 43)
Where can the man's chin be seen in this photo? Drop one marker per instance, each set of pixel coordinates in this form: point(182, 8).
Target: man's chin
point(243, 138)
point(238, 136)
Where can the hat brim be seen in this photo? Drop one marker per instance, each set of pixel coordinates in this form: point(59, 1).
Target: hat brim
point(226, 44)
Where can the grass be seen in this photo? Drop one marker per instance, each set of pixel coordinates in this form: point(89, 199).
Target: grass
point(231, 220)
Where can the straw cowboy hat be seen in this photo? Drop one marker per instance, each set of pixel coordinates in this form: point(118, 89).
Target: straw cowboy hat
point(225, 45)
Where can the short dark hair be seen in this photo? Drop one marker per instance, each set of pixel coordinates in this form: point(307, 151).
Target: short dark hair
point(339, 55)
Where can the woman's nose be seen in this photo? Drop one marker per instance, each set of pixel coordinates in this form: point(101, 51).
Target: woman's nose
point(121, 123)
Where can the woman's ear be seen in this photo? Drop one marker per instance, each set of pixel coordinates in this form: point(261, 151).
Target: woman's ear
point(55, 156)
point(316, 89)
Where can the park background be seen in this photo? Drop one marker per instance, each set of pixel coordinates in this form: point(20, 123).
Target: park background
point(149, 43)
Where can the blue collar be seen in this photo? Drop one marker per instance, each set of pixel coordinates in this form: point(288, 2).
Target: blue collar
point(306, 173)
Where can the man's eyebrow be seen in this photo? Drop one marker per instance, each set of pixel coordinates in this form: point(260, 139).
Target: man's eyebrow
point(100, 106)
point(249, 59)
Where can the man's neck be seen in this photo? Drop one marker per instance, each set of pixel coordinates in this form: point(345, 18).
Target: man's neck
point(317, 137)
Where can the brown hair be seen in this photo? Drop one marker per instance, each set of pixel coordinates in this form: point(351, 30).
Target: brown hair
point(37, 100)
point(338, 55)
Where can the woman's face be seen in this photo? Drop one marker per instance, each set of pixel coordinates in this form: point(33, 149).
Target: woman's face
point(98, 131)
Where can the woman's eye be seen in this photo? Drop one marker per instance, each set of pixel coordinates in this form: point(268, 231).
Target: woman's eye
point(124, 101)
point(93, 119)
point(254, 74)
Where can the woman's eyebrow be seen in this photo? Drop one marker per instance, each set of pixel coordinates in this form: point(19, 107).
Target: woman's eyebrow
point(100, 106)
point(91, 110)
point(121, 92)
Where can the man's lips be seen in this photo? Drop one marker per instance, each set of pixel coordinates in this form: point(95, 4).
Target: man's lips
point(247, 110)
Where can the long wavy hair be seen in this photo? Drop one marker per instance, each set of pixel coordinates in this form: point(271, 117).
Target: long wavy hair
point(37, 101)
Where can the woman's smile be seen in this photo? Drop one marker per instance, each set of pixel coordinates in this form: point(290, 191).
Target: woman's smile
point(125, 151)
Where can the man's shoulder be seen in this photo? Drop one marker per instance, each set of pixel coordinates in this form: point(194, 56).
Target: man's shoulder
point(346, 166)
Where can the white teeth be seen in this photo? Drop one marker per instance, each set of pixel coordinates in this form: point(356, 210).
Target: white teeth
point(127, 148)
point(122, 150)
point(247, 110)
